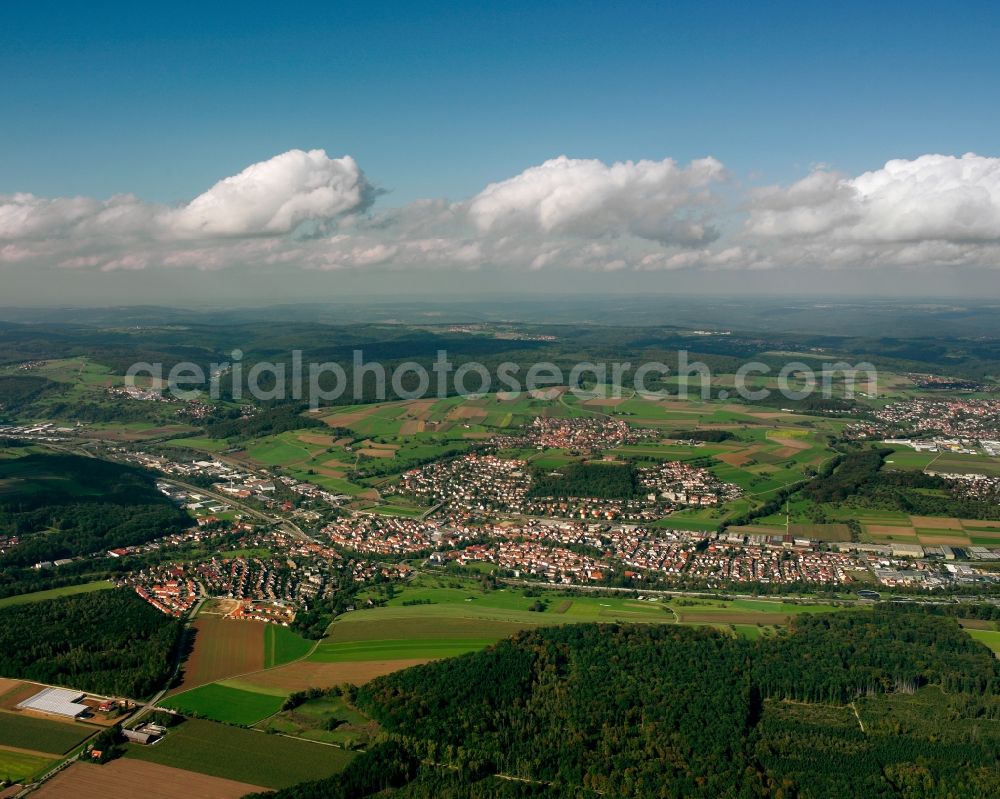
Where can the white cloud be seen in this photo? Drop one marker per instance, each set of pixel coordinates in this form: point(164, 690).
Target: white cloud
point(269, 198)
point(650, 199)
point(931, 198)
point(26, 217)
point(274, 197)
point(303, 210)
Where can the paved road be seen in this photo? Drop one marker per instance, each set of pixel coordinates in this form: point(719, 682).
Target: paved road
point(287, 524)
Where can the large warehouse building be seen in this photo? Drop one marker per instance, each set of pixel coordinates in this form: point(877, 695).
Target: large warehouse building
point(57, 702)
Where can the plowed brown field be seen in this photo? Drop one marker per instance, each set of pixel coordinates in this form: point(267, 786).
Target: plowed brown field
point(223, 648)
point(126, 778)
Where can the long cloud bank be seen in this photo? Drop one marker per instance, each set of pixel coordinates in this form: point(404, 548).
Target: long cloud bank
point(307, 210)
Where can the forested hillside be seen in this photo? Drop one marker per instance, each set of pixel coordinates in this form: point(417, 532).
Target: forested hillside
point(648, 711)
point(65, 505)
point(109, 642)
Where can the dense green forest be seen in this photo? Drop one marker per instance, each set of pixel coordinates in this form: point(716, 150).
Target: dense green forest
point(919, 494)
point(65, 505)
point(851, 471)
point(266, 422)
point(109, 642)
point(714, 436)
point(604, 480)
point(17, 391)
point(650, 711)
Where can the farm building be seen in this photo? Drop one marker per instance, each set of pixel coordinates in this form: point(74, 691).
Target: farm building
point(146, 734)
point(56, 702)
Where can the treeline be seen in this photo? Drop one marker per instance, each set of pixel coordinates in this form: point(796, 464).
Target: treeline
point(313, 622)
point(713, 436)
point(109, 642)
point(62, 506)
point(269, 421)
point(855, 654)
point(853, 470)
point(921, 495)
point(649, 711)
point(17, 391)
point(603, 480)
point(108, 411)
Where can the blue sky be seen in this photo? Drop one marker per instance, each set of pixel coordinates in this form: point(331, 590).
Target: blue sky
point(794, 101)
point(438, 99)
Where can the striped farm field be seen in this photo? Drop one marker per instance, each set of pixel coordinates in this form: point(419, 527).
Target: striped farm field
point(885, 532)
point(304, 674)
point(41, 735)
point(402, 634)
point(935, 523)
point(223, 648)
point(126, 778)
point(951, 540)
point(282, 645)
point(396, 649)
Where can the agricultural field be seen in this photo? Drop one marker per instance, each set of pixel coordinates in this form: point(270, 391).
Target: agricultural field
point(305, 674)
point(906, 459)
point(53, 593)
point(19, 766)
point(887, 527)
point(770, 449)
point(282, 645)
point(40, 734)
point(224, 703)
point(223, 648)
point(127, 778)
point(201, 443)
point(249, 756)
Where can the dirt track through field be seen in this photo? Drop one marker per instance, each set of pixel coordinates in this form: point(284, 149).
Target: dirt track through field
point(126, 779)
point(307, 674)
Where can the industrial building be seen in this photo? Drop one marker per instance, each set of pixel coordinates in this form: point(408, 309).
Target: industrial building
point(57, 702)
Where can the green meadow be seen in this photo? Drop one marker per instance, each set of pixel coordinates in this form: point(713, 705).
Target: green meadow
point(282, 645)
point(224, 703)
point(54, 593)
point(20, 767)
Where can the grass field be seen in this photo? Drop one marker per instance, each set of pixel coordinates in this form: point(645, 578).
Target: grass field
point(304, 674)
point(21, 766)
point(54, 593)
point(201, 443)
point(225, 704)
point(41, 735)
point(243, 755)
point(282, 645)
point(329, 719)
point(989, 637)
